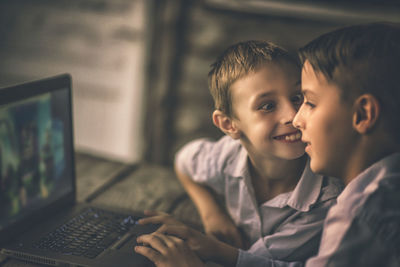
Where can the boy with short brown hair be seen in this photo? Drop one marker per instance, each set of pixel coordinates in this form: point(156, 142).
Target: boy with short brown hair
point(350, 122)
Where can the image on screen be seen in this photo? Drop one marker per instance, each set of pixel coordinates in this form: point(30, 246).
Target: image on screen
point(33, 169)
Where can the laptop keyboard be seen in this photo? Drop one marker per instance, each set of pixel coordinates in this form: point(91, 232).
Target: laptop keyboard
point(88, 234)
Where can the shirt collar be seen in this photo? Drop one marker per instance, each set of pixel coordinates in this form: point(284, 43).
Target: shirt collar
point(306, 192)
point(368, 180)
point(239, 164)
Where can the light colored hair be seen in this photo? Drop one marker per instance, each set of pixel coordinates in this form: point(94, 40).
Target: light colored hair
point(238, 61)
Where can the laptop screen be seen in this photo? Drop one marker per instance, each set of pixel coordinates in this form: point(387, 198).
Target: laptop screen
point(35, 154)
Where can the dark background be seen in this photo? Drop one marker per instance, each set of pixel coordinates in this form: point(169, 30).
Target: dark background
point(182, 39)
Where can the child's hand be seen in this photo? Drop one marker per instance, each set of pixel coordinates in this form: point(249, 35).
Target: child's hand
point(167, 251)
point(158, 217)
point(222, 227)
point(202, 244)
point(208, 248)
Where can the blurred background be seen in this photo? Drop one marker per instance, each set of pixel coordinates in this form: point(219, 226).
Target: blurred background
point(139, 67)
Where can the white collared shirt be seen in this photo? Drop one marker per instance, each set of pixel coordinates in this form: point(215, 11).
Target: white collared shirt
point(285, 228)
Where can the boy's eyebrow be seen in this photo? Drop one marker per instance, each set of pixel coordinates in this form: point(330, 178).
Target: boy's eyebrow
point(306, 92)
point(265, 94)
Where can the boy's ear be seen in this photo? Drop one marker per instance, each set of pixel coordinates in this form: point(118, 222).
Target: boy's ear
point(367, 112)
point(226, 124)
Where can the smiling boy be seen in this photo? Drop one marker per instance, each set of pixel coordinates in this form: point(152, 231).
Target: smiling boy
point(350, 122)
point(274, 204)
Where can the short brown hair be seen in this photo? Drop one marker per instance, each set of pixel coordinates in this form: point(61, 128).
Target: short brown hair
point(361, 59)
point(237, 61)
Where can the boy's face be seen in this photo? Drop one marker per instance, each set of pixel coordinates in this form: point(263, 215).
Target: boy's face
point(325, 121)
point(265, 103)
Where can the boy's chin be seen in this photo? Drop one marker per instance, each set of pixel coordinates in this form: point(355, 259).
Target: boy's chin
point(316, 167)
point(294, 155)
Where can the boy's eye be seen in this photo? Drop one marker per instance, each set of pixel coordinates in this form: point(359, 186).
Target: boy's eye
point(267, 106)
point(309, 104)
point(297, 99)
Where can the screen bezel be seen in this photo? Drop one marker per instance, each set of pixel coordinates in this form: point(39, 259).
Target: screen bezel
point(24, 91)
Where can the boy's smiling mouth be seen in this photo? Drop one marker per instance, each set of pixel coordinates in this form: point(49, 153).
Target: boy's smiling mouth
point(289, 137)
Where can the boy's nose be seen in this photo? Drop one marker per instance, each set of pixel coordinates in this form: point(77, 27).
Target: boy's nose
point(288, 114)
point(297, 120)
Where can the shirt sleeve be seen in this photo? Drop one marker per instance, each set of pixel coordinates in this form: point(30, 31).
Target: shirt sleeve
point(201, 160)
point(246, 259)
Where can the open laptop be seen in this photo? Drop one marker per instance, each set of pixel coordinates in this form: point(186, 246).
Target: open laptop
point(40, 220)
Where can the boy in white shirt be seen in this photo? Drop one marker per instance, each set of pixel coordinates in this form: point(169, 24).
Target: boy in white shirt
point(350, 122)
point(275, 205)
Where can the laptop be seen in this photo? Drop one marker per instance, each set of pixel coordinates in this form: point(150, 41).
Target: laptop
point(40, 220)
